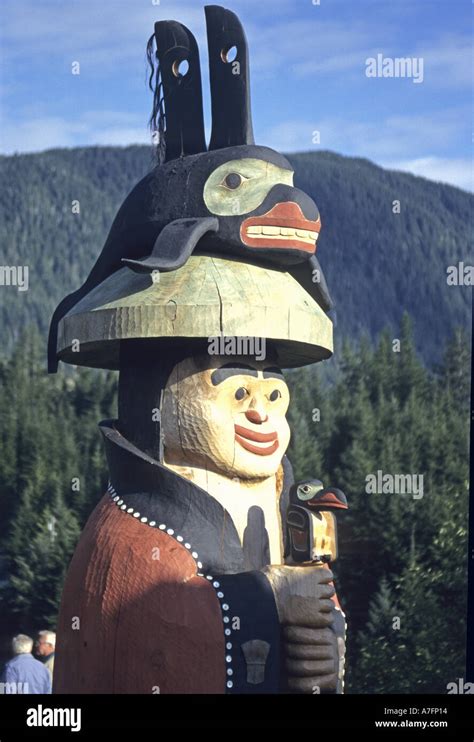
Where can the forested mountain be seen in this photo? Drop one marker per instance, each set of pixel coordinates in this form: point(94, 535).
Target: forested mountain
point(378, 263)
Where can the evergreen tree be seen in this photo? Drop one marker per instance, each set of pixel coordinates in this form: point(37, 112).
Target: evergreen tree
point(40, 549)
point(380, 651)
point(53, 473)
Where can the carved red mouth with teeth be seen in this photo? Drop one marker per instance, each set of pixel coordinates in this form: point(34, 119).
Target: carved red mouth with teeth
point(256, 442)
point(283, 226)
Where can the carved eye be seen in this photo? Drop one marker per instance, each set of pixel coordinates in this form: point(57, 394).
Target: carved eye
point(276, 394)
point(240, 393)
point(232, 181)
point(304, 492)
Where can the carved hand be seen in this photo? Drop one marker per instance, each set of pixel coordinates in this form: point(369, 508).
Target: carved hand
point(306, 612)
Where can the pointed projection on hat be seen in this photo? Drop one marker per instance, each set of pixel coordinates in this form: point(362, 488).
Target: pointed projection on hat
point(207, 286)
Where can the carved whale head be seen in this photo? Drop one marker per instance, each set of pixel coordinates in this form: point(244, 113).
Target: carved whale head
point(237, 201)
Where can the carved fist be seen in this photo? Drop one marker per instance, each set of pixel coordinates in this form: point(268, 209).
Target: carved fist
point(313, 653)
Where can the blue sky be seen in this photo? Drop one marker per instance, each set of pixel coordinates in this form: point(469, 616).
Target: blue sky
point(308, 70)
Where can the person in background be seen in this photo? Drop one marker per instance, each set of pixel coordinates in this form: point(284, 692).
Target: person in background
point(24, 674)
point(45, 646)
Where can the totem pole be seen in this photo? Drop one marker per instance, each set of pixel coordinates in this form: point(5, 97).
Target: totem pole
point(203, 569)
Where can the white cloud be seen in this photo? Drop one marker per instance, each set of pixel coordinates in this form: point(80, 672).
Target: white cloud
point(448, 62)
point(289, 136)
point(400, 136)
point(101, 36)
point(398, 142)
point(278, 47)
point(105, 35)
point(116, 136)
point(37, 134)
point(455, 170)
point(92, 127)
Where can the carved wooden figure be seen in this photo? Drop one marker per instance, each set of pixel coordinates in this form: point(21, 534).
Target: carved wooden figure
point(204, 568)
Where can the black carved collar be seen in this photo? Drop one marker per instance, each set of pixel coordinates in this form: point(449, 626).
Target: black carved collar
point(165, 497)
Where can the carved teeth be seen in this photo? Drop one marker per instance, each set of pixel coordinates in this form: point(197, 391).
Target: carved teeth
point(261, 444)
point(282, 233)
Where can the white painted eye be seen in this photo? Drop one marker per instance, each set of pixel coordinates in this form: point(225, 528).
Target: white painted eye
point(239, 186)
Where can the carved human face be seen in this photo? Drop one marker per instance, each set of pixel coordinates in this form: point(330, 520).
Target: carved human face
point(227, 415)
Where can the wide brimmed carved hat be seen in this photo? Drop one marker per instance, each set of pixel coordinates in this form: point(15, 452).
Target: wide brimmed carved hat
point(208, 297)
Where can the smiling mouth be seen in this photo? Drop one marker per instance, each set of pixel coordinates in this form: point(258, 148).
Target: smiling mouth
point(284, 226)
point(256, 442)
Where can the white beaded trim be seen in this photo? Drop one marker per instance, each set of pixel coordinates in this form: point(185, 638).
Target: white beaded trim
point(343, 676)
point(215, 584)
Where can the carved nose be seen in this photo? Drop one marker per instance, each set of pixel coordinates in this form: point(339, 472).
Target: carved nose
point(255, 417)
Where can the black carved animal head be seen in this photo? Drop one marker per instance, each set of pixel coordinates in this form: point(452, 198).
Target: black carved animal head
point(246, 195)
point(246, 190)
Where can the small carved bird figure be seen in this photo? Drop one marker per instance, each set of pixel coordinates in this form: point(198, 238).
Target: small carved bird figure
point(312, 494)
